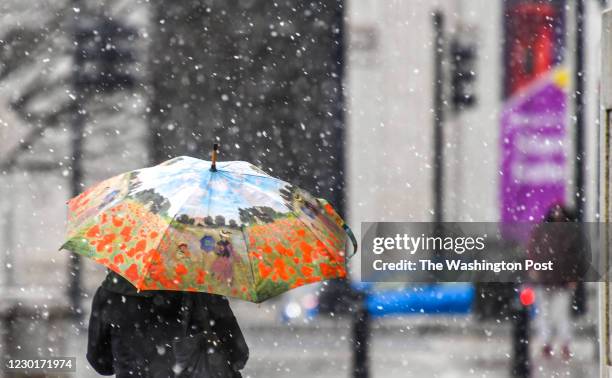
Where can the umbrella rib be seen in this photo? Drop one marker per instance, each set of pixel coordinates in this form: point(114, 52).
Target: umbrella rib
point(248, 256)
point(208, 187)
point(250, 174)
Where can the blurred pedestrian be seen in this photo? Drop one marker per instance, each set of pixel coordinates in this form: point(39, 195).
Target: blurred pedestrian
point(163, 333)
point(560, 240)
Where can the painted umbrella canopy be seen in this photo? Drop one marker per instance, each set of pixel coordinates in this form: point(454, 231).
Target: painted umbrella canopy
point(235, 231)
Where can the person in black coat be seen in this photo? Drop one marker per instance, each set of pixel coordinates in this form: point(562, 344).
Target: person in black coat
point(159, 334)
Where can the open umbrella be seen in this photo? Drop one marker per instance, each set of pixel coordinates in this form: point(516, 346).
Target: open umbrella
point(225, 228)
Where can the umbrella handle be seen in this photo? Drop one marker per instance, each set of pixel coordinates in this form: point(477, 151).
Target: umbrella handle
point(351, 236)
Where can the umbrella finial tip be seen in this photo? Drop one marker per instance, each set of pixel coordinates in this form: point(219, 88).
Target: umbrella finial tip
point(213, 165)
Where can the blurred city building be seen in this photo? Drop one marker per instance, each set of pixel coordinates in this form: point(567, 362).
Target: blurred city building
point(390, 84)
point(37, 102)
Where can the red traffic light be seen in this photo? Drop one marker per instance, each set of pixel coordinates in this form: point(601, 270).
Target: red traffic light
point(527, 296)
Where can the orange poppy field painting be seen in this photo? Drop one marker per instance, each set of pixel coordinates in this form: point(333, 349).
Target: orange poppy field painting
point(234, 231)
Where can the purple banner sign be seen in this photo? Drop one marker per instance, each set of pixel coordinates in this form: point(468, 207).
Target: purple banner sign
point(533, 135)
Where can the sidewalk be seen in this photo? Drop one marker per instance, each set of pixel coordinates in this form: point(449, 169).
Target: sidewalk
point(409, 346)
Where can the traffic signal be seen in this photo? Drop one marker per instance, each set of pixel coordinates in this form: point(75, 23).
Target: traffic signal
point(463, 75)
point(527, 296)
point(104, 53)
point(521, 332)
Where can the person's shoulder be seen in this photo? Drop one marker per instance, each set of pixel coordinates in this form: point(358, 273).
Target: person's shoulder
point(211, 298)
point(117, 284)
point(101, 297)
point(215, 303)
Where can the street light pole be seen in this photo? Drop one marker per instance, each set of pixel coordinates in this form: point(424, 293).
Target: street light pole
point(77, 128)
point(361, 338)
point(579, 110)
point(578, 301)
point(438, 130)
